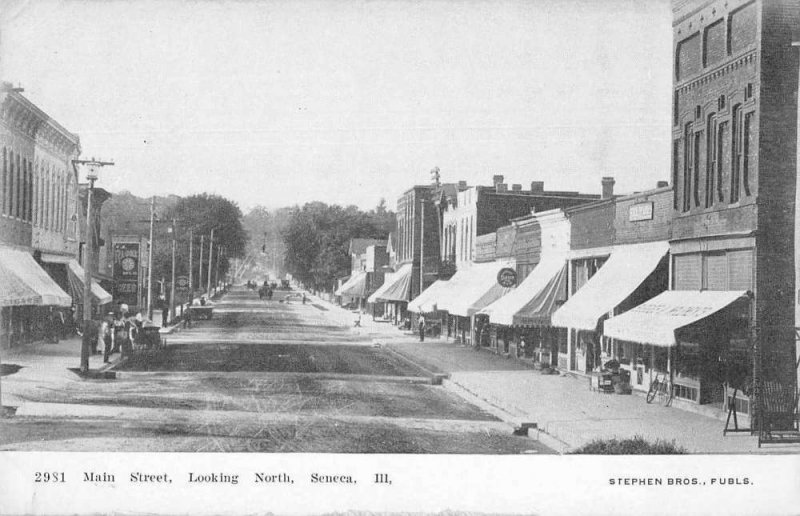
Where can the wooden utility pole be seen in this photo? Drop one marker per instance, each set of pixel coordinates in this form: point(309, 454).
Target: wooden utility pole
point(172, 282)
point(200, 273)
point(191, 266)
point(91, 176)
point(210, 258)
point(150, 260)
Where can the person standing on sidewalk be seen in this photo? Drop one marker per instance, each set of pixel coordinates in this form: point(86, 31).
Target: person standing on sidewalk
point(106, 333)
point(187, 317)
point(421, 327)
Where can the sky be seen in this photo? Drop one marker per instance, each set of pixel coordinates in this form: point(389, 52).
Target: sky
point(280, 102)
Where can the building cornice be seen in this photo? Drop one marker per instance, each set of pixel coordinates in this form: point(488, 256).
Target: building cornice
point(20, 114)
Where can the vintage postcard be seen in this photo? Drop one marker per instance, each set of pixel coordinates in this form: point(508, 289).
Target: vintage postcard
point(395, 256)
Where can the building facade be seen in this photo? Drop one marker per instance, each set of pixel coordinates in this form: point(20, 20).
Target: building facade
point(734, 166)
point(38, 210)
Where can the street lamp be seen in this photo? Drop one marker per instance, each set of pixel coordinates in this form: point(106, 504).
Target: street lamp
point(92, 175)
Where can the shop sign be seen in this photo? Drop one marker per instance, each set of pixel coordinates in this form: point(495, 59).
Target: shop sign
point(507, 277)
point(641, 211)
point(126, 273)
point(182, 283)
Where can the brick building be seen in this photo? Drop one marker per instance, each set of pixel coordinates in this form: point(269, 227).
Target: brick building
point(479, 210)
point(734, 171)
point(38, 214)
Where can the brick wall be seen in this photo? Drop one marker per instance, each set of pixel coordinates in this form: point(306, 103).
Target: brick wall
point(659, 227)
point(757, 74)
point(592, 226)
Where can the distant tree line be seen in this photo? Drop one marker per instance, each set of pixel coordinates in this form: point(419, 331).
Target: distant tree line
point(315, 238)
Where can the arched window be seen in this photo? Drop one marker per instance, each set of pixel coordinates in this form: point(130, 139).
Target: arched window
point(688, 166)
point(736, 153)
point(711, 159)
point(4, 180)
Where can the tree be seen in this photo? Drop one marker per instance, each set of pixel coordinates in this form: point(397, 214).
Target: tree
point(317, 238)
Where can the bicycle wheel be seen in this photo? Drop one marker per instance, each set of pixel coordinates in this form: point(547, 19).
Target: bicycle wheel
point(651, 392)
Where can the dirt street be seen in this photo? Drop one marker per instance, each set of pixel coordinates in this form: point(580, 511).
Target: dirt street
point(265, 376)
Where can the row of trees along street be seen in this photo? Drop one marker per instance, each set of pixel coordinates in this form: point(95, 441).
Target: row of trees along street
point(313, 240)
point(196, 215)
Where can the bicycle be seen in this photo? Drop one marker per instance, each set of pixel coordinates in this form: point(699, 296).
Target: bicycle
point(660, 387)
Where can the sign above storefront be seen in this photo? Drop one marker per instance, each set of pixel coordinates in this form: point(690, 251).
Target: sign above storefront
point(182, 283)
point(641, 211)
point(507, 277)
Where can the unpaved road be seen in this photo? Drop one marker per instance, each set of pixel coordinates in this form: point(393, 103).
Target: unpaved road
point(266, 376)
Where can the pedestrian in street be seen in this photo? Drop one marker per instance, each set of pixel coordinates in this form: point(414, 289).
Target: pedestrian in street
point(304, 300)
point(421, 327)
point(187, 318)
point(164, 315)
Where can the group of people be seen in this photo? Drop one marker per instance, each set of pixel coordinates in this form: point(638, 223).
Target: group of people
point(59, 324)
point(117, 333)
point(265, 291)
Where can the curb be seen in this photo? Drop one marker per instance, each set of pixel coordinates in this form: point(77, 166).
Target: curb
point(435, 378)
point(519, 424)
point(131, 375)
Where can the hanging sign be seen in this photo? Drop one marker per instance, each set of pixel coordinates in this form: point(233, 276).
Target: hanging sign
point(182, 283)
point(126, 273)
point(507, 277)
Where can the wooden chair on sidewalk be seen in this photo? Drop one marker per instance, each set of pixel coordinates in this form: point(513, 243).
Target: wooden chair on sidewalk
point(777, 415)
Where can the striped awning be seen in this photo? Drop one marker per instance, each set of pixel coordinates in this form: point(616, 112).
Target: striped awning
point(617, 279)
point(24, 282)
point(76, 279)
point(536, 298)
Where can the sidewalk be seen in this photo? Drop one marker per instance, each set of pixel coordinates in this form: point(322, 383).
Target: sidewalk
point(561, 405)
point(44, 366)
point(566, 409)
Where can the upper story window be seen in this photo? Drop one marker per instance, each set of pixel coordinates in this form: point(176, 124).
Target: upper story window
point(711, 160)
point(736, 153)
point(688, 166)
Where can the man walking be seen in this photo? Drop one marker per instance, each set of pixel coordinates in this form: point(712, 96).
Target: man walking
point(421, 326)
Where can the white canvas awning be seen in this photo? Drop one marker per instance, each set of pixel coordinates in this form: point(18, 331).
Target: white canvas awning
point(534, 300)
point(356, 286)
point(470, 290)
point(396, 286)
point(24, 282)
point(655, 321)
point(626, 269)
point(428, 300)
